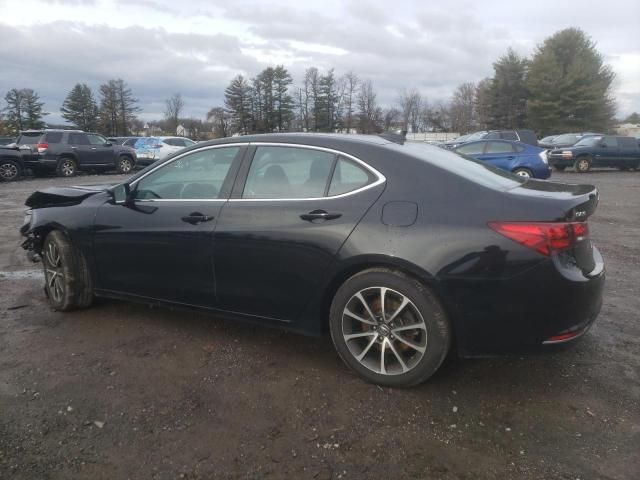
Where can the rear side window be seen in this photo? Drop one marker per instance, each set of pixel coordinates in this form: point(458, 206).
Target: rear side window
point(627, 142)
point(349, 176)
point(78, 139)
point(53, 137)
point(472, 149)
point(288, 172)
point(499, 147)
point(130, 142)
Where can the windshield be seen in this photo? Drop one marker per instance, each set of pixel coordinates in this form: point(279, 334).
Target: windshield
point(476, 136)
point(461, 165)
point(567, 138)
point(29, 138)
point(588, 141)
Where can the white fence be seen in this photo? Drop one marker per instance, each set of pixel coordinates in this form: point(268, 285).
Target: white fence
point(432, 136)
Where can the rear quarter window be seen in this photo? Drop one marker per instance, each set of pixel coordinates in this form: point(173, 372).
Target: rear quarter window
point(463, 166)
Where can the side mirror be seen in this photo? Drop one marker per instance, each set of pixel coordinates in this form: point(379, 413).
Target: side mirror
point(122, 194)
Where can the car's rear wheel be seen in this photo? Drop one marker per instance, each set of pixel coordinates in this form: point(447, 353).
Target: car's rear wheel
point(67, 278)
point(389, 328)
point(523, 172)
point(582, 165)
point(9, 170)
point(67, 167)
point(125, 164)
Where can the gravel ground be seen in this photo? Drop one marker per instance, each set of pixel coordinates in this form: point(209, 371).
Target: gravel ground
point(125, 391)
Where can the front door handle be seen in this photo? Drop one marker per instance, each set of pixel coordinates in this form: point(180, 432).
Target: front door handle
point(319, 215)
point(196, 218)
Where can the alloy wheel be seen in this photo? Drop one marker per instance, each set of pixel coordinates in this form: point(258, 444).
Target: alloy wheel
point(54, 272)
point(523, 173)
point(8, 171)
point(68, 168)
point(384, 331)
point(125, 165)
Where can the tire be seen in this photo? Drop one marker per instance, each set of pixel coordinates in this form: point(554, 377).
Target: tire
point(125, 164)
point(67, 167)
point(523, 172)
point(376, 352)
point(582, 164)
point(67, 278)
point(559, 168)
point(9, 170)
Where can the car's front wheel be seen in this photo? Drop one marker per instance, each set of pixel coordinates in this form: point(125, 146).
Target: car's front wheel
point(125, 164)
point(9, 170)
point(389, 328)
point(67, 278)
point(583, 164)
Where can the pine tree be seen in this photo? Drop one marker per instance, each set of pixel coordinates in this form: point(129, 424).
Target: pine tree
point(238, 102)
point(569, 85)
point(508, 92)
point(118, 107)
point(80, 108)
point(23, 110)
point(283, 102)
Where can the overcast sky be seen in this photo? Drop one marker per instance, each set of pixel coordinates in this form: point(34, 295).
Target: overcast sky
point(161, 47)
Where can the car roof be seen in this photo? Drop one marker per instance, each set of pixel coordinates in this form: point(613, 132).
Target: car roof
point(317, 139)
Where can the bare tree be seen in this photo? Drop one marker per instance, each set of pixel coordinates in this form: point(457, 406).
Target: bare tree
point(173, 109)
point(408, 102)
point(463, 108)
point(220, 119)
point(369, 113)
point(391, 117)
point(351, 83)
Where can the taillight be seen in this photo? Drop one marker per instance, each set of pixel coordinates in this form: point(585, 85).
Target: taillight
point(42, 147)
point(544, 238)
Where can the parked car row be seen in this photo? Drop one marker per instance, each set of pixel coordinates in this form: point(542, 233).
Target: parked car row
point(598, 151)
point(66, 152)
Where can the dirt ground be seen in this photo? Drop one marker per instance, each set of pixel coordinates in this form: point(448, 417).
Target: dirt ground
point(125, 391)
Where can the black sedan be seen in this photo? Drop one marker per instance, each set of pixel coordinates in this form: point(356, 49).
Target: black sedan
point(401, 251)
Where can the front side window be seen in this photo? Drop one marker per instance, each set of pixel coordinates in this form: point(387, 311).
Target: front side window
point(610, 141)
point(499, 147)
point(288, 172)
point(199, 175)
point(472, 148)
point(96, 139)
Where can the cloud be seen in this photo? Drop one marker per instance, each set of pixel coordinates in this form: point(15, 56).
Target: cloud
point(161, 47)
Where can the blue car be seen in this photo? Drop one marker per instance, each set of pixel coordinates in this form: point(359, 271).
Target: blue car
point(516, 157)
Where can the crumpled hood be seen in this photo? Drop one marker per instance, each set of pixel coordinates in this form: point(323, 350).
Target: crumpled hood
point(62, 196)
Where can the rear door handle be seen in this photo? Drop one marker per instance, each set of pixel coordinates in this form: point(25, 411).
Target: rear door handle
point(319, 215)
point(196, 218)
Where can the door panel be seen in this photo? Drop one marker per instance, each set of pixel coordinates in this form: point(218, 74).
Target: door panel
point(161, 244)
point(271, 254)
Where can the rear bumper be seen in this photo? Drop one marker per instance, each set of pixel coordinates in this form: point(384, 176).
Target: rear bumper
point(549, 304)
point(559, 161)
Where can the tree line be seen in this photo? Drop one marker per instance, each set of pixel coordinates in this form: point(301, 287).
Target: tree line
point(564, 86)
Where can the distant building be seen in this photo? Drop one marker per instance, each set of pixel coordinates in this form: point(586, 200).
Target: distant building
point(628, 130)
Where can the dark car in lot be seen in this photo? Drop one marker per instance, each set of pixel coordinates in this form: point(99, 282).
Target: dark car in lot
point(401, 251)
point(66, 152)
point(597, 151)
point(564, 140)
point(11, 166)
point(516, 157)
point(523, 136)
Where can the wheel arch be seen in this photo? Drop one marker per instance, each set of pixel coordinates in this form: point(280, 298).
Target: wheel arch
point(367, 262)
